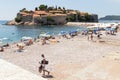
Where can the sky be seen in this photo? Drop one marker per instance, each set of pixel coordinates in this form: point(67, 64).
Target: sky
point(9, 8)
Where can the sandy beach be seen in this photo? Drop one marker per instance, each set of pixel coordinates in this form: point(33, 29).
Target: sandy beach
point(67, 58)
point(86, 24)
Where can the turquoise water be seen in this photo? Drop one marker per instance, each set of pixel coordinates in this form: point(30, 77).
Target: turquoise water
point(10, 34)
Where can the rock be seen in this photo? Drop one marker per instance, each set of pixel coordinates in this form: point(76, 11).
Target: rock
point(12, 23)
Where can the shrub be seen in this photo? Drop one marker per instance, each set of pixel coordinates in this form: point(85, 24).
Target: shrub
point(18, 19)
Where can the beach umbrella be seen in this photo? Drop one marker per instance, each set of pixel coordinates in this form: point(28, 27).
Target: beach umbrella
point(4, 38)
point(63, 32)
point(26, 38)
point(93, 27)
point(107, 29)
point(113, 27)
point(59, 34)
point(21, 44)
point(72, 31)
point(44, 35)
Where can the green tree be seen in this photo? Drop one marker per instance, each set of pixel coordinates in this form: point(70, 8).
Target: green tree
point(63, 8)
point(50, 8)
point(18, 19)
point(50, 19)
point(24, 9)
point(70, 18)
point(59, 8)
point(36, 9)
point(56, 8)
point(87, 17)
point(43, 7)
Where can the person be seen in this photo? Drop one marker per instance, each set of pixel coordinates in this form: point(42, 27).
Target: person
point(42, 67)
point(98, 36)
point(91, 36)
point(6, 45)
point(44, 41)
point(30, 42)
point(88, 36)
point(2, 49)
point(35, 39)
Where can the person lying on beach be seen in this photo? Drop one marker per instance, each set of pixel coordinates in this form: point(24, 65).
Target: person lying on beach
point(43, 41)
point(42, 67)
point(53, 40)
point(6, 45)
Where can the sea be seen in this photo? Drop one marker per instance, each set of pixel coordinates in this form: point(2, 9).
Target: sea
point(11, 34)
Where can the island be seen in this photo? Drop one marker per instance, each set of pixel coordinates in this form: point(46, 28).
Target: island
point(47, 15)
point(111, 17)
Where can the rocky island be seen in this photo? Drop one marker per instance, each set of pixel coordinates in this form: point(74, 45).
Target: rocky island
point(44, 15)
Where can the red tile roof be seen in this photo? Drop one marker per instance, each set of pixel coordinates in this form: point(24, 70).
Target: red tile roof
point(40, 12)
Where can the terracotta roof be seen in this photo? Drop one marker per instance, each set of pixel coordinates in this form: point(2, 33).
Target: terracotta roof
point(23, 13)
point(55, 11)
point(40, 12)
point(82, 13)
point(72, 12)
point(60, 14)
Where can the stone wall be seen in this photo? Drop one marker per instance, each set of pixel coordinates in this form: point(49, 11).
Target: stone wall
point(59, 19)
point(55, 20)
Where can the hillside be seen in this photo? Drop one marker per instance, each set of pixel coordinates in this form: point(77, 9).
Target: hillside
point(111, 17)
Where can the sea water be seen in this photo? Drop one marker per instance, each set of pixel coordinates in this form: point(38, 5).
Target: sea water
point(10, 34)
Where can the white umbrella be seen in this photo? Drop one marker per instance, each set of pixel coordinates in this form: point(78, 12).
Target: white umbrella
point(26, 38)
point(44, 35)
point(113, 27)
point(4, 38)
point(21, 44)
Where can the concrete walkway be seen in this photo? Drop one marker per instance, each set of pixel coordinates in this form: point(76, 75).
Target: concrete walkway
point(9, 71)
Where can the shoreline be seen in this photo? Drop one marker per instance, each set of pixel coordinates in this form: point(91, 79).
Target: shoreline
point(86, 24)
point(81, 24)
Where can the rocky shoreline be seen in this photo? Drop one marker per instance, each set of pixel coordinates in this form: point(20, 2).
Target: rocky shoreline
point(12, 22)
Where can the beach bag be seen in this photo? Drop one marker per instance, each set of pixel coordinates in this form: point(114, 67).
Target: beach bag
point(46, 62)
point(40, 68)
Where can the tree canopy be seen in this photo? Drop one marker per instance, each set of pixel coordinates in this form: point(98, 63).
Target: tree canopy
point(43, 7)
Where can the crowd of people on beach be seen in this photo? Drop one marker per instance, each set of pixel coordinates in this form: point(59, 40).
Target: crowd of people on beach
point(54, 39)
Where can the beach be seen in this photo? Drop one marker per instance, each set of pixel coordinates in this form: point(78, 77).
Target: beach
point(66, 57)
point(86, 24)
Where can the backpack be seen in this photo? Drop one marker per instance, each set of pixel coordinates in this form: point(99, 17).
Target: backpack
point(46, 62)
